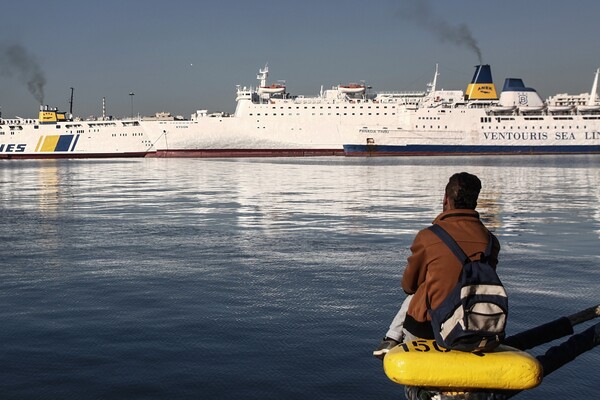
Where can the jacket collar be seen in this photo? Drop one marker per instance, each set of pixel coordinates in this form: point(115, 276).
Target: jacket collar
point(456, 213)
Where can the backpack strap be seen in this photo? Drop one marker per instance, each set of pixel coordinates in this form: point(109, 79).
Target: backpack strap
point(452, 245)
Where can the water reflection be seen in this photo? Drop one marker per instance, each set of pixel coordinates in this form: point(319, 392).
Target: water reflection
point(172, 258)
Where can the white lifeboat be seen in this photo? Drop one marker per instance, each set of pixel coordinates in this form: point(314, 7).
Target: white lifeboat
point(352, 88)
point(588, 108)
point(528, 109)
point(554, 109)
point(272, 89)
point(502, 109)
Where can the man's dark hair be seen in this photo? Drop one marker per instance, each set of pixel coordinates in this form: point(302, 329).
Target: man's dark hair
point(463, 190)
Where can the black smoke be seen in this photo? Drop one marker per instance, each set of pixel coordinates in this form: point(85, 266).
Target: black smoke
point(15, 61)
point(421, 13)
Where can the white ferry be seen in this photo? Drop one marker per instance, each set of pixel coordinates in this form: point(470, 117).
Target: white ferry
point(268, 121)
point(478, 122)
point(56, 134)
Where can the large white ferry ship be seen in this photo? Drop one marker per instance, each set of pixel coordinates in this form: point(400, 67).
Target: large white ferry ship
point(268, 121)
point(56, 134)
point(477, 121)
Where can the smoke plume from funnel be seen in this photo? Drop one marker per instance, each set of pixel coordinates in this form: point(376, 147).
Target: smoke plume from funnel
point(16, 61)
point(420, 13)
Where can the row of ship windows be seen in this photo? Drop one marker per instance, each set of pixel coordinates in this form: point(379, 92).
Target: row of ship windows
point(82, 131)
point(283, 114)
point(329, 107)
point(507, 127)
point(126, 134)
point(557, 118)
point(533, 128)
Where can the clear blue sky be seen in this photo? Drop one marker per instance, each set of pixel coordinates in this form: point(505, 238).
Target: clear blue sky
point(183, 55)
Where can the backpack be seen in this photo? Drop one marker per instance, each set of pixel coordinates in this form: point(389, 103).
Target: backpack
point(473, 315)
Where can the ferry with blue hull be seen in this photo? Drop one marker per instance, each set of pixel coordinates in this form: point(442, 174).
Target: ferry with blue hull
point(477, 121)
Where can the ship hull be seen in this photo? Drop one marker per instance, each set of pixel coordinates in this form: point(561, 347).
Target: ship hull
point(447, 150)
point(29, 156)
point(228, 153)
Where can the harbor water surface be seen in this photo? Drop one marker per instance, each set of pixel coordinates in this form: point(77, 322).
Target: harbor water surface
point(263, 278)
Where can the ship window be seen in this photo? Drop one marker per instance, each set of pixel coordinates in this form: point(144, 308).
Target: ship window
point(57, 126)
point(35, 127)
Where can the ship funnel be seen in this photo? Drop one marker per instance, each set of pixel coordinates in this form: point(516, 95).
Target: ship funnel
point(482, 86)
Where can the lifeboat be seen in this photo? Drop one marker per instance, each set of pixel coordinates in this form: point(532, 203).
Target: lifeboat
point(588, 108)
point(272, 89)
point(528, 109)
point(557, 109)
point(502, 109)
point(352, 88)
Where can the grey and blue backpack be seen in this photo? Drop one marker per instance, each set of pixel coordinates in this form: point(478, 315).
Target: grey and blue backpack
point(473, 315)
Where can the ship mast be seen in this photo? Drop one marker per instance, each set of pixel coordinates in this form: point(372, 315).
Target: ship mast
point(262, 75)
point(592, 99)
point(71, 105)
point(432, 85)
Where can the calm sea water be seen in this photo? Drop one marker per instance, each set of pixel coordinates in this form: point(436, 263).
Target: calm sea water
point(262, 278)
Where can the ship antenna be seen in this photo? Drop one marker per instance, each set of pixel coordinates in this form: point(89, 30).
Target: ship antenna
point(434, 83)
point(71, 105)
point(262, 75)
point(592, 99)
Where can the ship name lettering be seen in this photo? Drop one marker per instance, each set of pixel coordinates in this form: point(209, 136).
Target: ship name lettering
point(373, 131)
point(592, 135)
point(515, 135)
point(12, 148)
point(564, 136)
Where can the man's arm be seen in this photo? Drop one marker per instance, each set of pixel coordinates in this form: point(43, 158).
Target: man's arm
point(415, 271)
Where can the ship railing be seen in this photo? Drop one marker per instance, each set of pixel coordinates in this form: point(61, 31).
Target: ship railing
point(402, 93)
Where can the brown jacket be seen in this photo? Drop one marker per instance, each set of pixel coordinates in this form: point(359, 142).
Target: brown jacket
point(433, 269)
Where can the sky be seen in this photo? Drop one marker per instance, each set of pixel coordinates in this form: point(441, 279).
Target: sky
point(179, 56)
